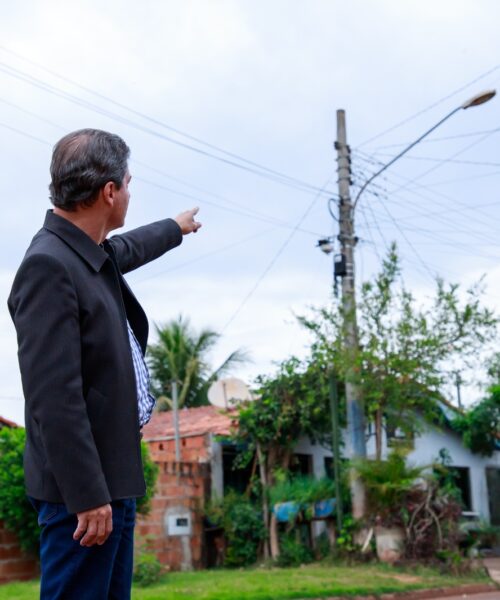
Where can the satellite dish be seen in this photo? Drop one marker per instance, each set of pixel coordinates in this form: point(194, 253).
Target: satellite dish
point(228, 393)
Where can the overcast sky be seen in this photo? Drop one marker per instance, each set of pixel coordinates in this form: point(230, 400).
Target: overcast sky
point(260, 79)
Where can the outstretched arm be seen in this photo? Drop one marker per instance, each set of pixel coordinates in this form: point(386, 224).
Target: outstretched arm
point(144, 244)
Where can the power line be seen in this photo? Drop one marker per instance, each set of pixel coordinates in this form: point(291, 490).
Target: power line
point(437, 139)
point(204, 256)
point(466, 207)
point(443, 162)
point(260, 215)
point(146, 116)
point(260, 170)
point(265, 219)
point(431, 106)
point(273, 260)
point(447, 160)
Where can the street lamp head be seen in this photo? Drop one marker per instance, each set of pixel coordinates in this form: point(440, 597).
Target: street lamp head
point(325, 245)
point(479, 99)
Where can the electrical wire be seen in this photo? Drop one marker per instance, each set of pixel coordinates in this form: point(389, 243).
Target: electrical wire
point(430, 106)
point(251, 215)
point(437, 139)
point(146, 116)
point(436, 194)
point(204, 256)
point(260, 171)
point(260, 215)
point(446, 160)
point(273, 260)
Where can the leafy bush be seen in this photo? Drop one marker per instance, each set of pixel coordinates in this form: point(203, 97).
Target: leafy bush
point(150, 476)
point(293, 552)
point(387, 482)
point(15, 510)
point(243, 527)
point(302, 490)
point(147, 567)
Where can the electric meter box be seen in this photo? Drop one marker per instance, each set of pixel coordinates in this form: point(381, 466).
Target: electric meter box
point(179, 524)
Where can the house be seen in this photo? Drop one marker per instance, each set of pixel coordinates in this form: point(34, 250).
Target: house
point(205, 470)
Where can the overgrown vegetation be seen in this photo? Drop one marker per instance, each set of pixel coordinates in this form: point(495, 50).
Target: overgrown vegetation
point(403, 346)
point(243, 527)
point(480, 425)
point(16, 511)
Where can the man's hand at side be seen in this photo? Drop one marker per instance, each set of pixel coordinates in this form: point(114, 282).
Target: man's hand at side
point(96, 524)
point(186, 221)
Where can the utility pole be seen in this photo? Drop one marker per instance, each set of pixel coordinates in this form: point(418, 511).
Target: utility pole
point(334, 409)
point(355, 409)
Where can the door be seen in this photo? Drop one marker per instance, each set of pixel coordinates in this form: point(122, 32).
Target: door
point(493, 481)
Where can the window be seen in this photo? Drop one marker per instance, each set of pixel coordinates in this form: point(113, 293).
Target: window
point(301, 464)
point(328, 462)
point(397, 438)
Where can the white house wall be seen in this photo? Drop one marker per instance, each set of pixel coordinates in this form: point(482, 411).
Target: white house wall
point(427, 448)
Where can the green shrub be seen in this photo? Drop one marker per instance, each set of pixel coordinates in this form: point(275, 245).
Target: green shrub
point(302, 489)
point(243, 527)
point(150, 476)
point(293, 551)
point(147, 569)
point(15, 510)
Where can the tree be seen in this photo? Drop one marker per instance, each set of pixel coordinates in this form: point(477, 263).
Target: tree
point(288, 405)
point(403, 347)
point(180, 354)
point(480, 425)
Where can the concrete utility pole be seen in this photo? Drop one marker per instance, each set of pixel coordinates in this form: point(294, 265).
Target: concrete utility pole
point(355, 409)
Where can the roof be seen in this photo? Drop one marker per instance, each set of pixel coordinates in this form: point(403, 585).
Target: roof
point(192, 422)
point(6, 423)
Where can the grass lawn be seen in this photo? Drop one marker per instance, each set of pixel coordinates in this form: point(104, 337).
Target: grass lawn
point(314, 581)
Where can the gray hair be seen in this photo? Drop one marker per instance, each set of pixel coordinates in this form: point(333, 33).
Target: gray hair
point(83, 162)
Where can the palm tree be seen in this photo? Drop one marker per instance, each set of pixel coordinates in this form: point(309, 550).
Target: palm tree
point(180, 355)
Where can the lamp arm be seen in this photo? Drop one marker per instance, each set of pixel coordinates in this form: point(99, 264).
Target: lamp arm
point(402, 153)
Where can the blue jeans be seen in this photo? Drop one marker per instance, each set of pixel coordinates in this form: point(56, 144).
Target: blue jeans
point(74, 572)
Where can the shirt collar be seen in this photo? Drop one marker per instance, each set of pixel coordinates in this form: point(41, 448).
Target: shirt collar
point(76, 239)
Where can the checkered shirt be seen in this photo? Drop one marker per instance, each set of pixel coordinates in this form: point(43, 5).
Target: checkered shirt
point(146, 402)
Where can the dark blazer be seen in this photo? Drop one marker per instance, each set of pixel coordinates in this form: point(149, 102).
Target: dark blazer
point(69, 303)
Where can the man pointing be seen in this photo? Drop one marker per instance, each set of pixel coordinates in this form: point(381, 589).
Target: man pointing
point(82, 336)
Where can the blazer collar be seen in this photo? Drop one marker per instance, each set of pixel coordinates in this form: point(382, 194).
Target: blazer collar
point(76, 239)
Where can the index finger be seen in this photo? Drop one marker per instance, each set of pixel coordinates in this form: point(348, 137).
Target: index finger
point(194, 210)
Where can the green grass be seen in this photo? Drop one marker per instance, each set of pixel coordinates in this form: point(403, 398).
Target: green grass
point(315, 581)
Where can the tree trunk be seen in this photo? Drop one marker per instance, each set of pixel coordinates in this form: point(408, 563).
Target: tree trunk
point(378, 434)
point(273, 537)
point(265, 504)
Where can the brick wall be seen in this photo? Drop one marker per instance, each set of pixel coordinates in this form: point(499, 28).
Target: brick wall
point(14, 564)
point(181, 486)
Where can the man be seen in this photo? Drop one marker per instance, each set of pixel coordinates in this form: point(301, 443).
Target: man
point(82, 336)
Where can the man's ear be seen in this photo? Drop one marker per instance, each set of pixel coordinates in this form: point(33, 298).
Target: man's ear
point(108, 192)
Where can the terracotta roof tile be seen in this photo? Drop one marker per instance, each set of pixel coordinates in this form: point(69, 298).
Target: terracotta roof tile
point(192, 421)
point(7, 423)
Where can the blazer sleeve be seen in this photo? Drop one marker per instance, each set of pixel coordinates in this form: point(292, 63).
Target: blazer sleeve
point(44, 307)
point(144, 244)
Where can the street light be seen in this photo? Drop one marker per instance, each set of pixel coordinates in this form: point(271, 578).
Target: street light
point(474, 101)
